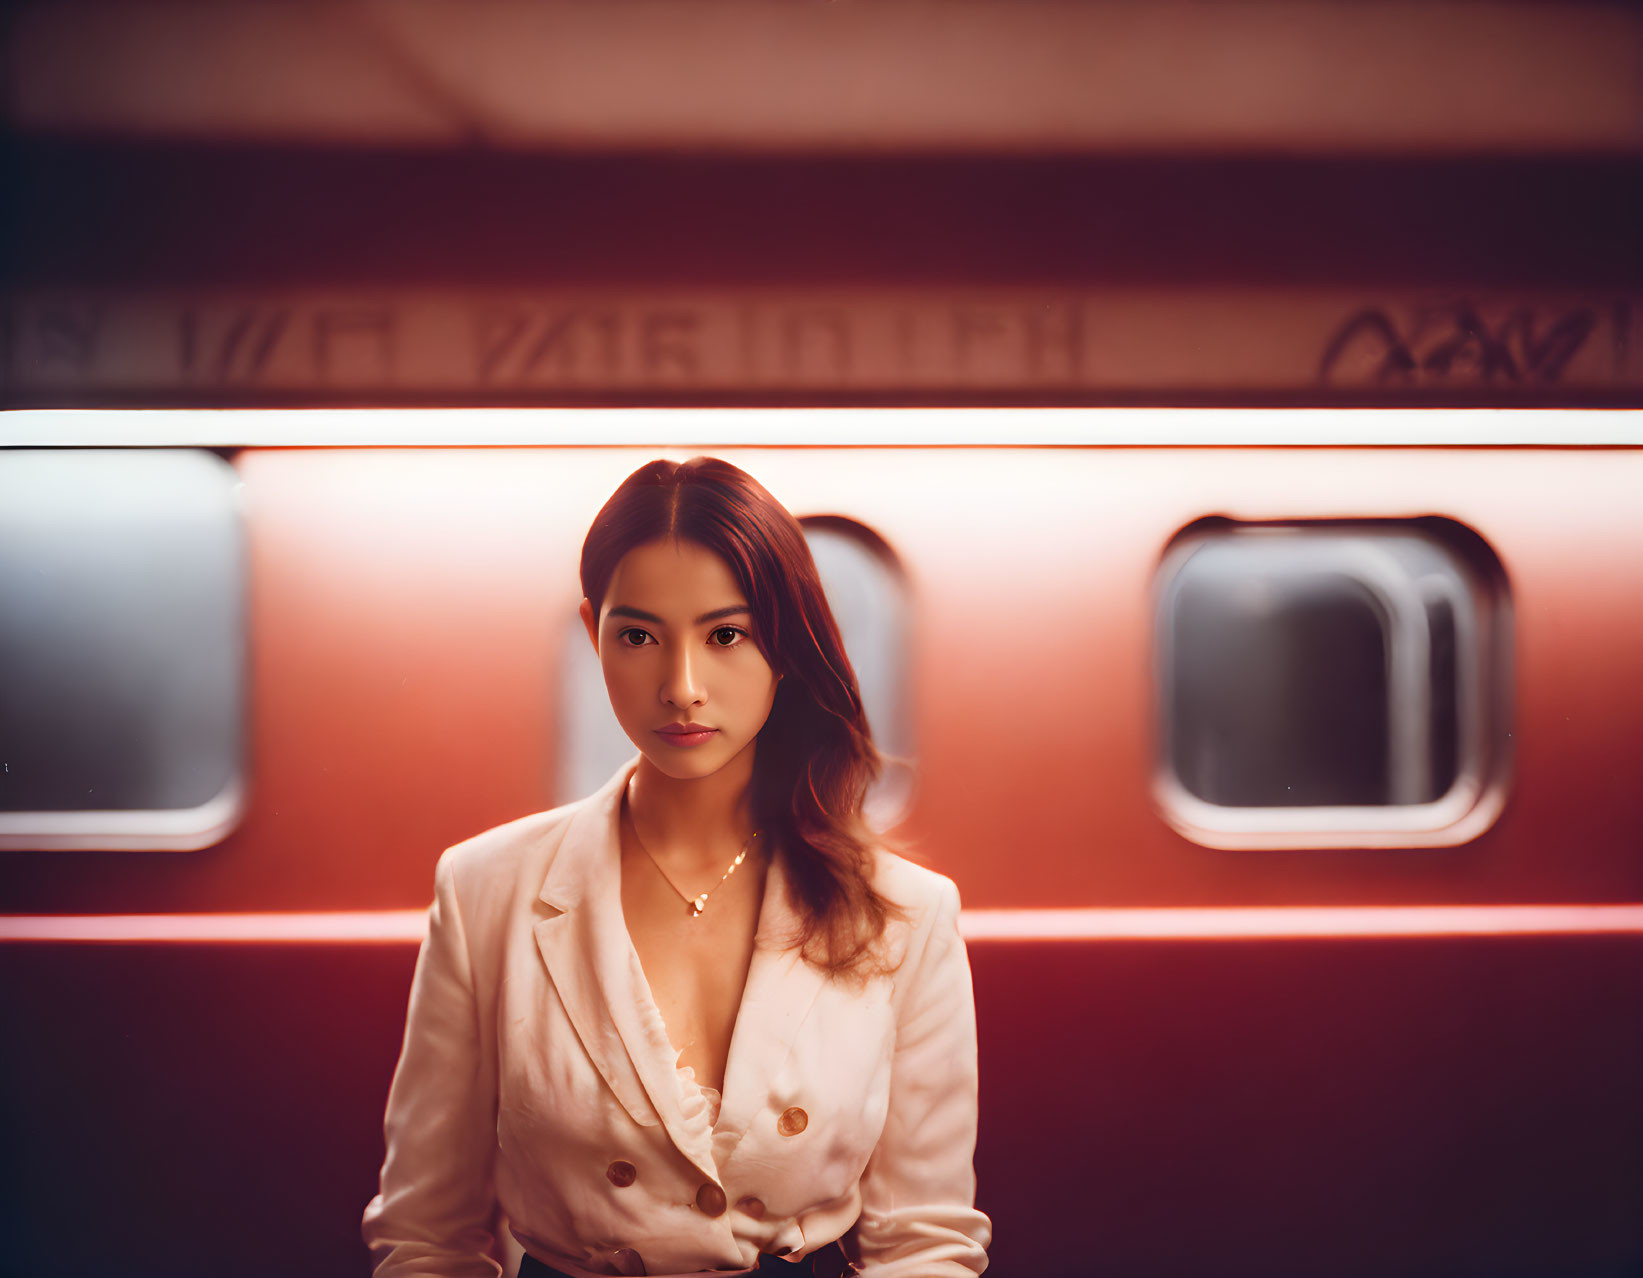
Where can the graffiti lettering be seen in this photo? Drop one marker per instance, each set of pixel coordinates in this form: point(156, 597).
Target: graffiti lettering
point(1455, 344)
point(972, 329)
point(338, 333)
point(1055, 342)
point(554, 347)
point(667, 344)
point(828, 330)
point(242, 348)
point(495, 333)
point(517, 344)
point(243, 345)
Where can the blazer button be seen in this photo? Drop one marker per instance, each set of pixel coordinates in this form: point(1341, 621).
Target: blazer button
point(711, 1199)
point(751, 1206)
point(621, 1174)
point(792, 1122)
point(628, 1262)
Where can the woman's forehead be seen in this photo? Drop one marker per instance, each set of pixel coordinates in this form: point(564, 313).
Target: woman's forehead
point(676, 581)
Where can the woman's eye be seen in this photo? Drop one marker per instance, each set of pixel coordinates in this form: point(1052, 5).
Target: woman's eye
point(633, 637)
point(727, 636)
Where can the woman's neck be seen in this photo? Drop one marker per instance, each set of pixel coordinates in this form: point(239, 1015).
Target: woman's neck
point(696, 823)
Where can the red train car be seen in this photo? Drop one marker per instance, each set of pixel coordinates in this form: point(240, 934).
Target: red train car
point(1292, 793)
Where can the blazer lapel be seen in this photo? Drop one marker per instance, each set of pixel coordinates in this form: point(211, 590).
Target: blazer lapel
point(595, 969)
point(781, 986)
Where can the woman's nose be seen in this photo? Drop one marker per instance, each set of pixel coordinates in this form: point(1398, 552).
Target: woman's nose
point(681, 684)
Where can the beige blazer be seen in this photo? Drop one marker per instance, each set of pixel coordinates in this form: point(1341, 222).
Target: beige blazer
point(537, 1077)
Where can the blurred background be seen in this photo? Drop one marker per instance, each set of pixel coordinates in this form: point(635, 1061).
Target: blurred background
point(434, 201)
point(1291, 789)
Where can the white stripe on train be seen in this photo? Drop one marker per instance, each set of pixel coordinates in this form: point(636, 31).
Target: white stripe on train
point(1146, 924)
point(853, 427)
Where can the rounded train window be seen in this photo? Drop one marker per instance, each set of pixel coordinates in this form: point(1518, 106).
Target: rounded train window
point(122, 649)
point(1331, 684)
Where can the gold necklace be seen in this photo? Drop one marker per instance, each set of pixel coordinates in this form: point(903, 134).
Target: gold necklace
point(696, 903)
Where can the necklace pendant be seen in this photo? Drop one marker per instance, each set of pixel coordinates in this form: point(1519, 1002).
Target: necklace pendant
point(698, 905)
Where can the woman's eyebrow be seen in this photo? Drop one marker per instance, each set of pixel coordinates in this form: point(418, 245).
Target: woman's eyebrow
point(638, 614)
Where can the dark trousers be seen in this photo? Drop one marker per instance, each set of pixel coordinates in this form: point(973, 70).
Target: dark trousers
point(828, 1262)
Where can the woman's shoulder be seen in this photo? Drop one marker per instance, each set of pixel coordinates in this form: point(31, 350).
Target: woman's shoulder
point(516, 853)
point(925, 921)
point(921, 892)
point(514, 839)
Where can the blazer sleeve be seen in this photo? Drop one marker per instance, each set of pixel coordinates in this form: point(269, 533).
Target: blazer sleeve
point(918, 1217)
point(433, 1216)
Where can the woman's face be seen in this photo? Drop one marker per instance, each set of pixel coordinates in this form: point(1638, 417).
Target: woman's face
point(674, 642)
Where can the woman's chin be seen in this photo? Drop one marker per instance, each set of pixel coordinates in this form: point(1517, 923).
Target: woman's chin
point(689, 763)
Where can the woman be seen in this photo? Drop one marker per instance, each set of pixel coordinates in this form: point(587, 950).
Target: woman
point(701, 1020)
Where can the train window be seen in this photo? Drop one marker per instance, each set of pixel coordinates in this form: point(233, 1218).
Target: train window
point(864, 587)
point(122, 649)
point(1330, 684)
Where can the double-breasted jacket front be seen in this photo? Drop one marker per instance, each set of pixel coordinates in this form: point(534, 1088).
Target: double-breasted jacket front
point(537, 1076)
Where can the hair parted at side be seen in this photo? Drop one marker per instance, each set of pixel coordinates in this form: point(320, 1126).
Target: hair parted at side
point(815, 756)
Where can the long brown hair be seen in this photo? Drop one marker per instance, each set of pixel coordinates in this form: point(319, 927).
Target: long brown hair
point(815, 756)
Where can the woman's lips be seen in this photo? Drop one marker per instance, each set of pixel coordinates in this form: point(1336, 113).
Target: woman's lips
point(689, 735)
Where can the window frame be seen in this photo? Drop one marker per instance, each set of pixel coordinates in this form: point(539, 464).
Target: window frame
point(1483, 716)
point(187, 829)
